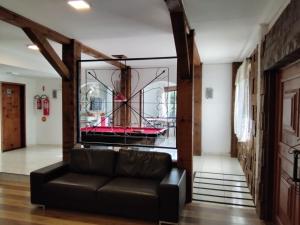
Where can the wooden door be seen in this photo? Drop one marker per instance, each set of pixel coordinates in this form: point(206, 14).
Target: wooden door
point(13, 126)
point(287, 193)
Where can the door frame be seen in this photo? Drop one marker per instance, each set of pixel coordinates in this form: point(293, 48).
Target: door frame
point(271, 121)
point(23, 114)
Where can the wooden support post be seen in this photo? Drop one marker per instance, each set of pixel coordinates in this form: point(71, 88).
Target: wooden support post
point(141, 107)
point(185, 49)
point(184, 132)
point(196, 71)
point(125, 111)
point(71, 53)
point(197, 109)
point(180, 38)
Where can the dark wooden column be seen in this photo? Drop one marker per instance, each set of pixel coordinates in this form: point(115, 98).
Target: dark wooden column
point(184, 133)
point(185, 49)
point(125, 111)
point(71, 53)
point(122, 114)
point(196, 71)
point(197, 109)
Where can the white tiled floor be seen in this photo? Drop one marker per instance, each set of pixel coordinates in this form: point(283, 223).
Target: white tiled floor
point(220, 180)
point(217, 164)
point(23, 161)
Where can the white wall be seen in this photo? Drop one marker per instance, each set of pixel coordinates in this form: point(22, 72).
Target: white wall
point(50, 131)
point(38, 132)
point(216, 112)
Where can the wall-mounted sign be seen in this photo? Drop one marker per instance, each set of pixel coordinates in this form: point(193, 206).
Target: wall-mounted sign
point(209, 93)
point(9, 92)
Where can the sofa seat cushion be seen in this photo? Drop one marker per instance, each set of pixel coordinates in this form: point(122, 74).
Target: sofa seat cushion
point(73, 188)
point(131, 197)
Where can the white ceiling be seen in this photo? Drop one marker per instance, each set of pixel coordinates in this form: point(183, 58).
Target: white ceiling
point(18, 71)
point(229, 30)
point(225, 29)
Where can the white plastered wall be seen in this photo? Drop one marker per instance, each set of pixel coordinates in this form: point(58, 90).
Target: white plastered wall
point(216, 111)
point(38, 132)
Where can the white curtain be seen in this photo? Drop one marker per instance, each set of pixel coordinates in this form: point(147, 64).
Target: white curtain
point(242, 105)
point(162, 108)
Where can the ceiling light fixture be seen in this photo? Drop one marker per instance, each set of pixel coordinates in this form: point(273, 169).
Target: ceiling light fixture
point(79, 4)
point(33, 47)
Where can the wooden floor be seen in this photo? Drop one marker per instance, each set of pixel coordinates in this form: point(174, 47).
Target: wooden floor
point(16, 209)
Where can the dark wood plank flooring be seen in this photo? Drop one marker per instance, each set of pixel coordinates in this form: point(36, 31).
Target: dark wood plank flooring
point(16, 209)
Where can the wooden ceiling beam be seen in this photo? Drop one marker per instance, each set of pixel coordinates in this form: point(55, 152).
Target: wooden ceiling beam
point(48, 52)
point(23, 22)
point(177, 6)
point(99, 55)
point(181, 44)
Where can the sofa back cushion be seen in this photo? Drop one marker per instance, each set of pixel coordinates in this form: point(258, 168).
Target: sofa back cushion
point(143, 164)
point(94, 161)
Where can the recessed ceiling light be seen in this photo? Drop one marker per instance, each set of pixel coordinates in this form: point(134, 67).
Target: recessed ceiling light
point(79, 4)
point(33, 47)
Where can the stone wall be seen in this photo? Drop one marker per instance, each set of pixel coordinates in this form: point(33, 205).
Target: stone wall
point(282, 43)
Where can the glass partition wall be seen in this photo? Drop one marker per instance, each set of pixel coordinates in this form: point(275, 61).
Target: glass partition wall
point(130, 105)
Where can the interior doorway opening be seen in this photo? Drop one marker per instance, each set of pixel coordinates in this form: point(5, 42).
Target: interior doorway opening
point(221, 177)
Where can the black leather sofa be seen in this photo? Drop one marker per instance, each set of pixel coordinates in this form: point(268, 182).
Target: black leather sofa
point(127, 183)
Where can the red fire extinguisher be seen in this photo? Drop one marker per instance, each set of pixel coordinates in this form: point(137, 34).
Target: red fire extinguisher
point(46, 106)
point(38, 102)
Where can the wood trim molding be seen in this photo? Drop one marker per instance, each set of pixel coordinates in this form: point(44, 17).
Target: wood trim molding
point(48, 52)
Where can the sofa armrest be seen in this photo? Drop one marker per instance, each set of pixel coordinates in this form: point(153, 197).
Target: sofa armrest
point(42, 176)
point(172, 193)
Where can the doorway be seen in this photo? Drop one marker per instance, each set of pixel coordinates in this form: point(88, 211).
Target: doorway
point(13, 116)
point(218, 178)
